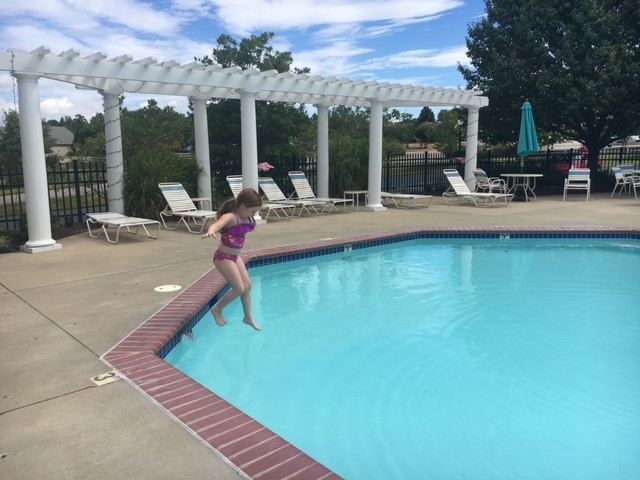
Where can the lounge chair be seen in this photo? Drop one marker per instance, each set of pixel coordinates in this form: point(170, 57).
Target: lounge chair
point(281, 210)
point(305, 192)
point(459, 192)
point(105, 220)
point(273, 193)
point(485, 183)
point(398, 200)
point(180, 204)
point(577, 179)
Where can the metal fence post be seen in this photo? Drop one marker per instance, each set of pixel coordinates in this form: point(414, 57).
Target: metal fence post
point(77, 186)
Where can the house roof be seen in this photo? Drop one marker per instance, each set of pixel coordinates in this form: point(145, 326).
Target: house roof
point(123, 74)
point(61, 136)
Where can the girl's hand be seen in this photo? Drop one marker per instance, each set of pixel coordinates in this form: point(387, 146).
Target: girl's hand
point(211, 233)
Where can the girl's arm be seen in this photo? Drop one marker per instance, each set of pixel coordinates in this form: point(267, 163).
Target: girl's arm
point(219, 224)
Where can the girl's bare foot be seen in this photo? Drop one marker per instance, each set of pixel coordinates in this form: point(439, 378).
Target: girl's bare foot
point(217, 316)
point(252, 323)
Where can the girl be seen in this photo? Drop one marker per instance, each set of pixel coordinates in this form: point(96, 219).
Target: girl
point(235, 220)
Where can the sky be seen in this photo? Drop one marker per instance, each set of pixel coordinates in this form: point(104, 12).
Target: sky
point(416, 42)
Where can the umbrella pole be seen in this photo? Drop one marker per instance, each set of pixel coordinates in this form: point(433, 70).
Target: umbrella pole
point(521, 164)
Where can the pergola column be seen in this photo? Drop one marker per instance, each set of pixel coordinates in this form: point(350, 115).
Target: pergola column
point(201, 132)
point(113, 146)
point(374, 202)
point(34, 167)
point(471, 151)
point(249, 140)
point(323, 151)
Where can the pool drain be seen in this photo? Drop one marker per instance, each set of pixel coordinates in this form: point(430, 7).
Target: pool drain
point(167, 288)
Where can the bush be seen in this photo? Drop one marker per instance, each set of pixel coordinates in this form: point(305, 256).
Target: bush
point(143, 173)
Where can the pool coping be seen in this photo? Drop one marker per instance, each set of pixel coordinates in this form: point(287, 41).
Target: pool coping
point(250, 448)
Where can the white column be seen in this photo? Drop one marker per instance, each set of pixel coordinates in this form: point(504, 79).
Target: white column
point(113, 146)
point(471, 152)
point(323, 151)
point(249, 140)
point(374, 202)
point(201, 132)
point(34, 167)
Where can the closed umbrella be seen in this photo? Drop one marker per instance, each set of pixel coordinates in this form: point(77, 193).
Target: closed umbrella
point(528, 139)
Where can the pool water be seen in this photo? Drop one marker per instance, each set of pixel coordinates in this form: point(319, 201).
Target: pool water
point(470, 359)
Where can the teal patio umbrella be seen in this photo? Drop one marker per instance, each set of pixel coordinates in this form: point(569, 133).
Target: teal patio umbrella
point(528, 139)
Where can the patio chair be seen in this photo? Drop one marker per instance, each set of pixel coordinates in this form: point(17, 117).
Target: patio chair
point(458, 192)
point(305, 192)
point(635, 184)
point(398, 200)
point(180, 204)
point(281, 210)
point(485, 183)
point(623, 181)
point(274, 194)
point(105, 220)
point(577, 179)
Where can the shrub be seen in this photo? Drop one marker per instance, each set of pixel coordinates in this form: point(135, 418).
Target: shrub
point(143, 173)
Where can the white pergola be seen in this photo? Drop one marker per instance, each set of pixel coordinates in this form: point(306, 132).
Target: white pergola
point(115, 76)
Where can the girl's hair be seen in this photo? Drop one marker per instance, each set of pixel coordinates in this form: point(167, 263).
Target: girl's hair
point(247, 197)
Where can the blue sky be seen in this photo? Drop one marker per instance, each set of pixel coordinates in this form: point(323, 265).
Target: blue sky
point(407, 41)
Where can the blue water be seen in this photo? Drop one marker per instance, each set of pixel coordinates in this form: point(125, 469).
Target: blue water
point(470, 359)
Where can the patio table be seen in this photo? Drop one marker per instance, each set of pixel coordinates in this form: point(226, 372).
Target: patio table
point(525, 181)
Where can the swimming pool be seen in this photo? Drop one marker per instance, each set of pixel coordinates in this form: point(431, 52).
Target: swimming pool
point(457, 359)
point(137, 356)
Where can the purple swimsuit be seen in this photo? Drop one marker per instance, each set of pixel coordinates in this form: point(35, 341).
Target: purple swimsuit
point(233, 237)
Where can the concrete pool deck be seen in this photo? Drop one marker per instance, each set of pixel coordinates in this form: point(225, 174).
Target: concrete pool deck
point(61, 311)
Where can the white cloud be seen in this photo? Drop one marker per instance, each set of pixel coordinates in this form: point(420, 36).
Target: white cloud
point(244, 16)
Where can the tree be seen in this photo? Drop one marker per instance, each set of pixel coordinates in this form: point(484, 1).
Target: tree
point(10, 140)
point(426, 115)
point(152, 126)
point(10, 147)
point(576, 62)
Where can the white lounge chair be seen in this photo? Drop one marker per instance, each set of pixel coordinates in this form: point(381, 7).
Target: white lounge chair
point(577, 179)
point(305, 192)
point(281, 210)
point(273, 193)
point(105, 220)
point(180, 204)
point(459, 192)
point(398, 200)
point(485, 183)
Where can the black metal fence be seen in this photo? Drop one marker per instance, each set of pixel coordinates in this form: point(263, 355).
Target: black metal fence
point(79, 187)
point(75, 188)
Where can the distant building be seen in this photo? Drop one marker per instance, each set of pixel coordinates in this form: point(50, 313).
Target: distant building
point(62, 139)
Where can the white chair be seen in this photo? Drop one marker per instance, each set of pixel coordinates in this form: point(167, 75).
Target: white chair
point(577, 179)
point(459, 192)
point(281, 210)
point(305, 192)
point(400, 200)
point(485, 183)
point(106, 220)
point(623, 181)
point(274, 195)
point(180, 204)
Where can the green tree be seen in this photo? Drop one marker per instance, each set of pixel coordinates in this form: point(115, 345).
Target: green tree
point(151, 127)
point(10, 147)
point(576, 61)
point(10, 140)
point(426, 115)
